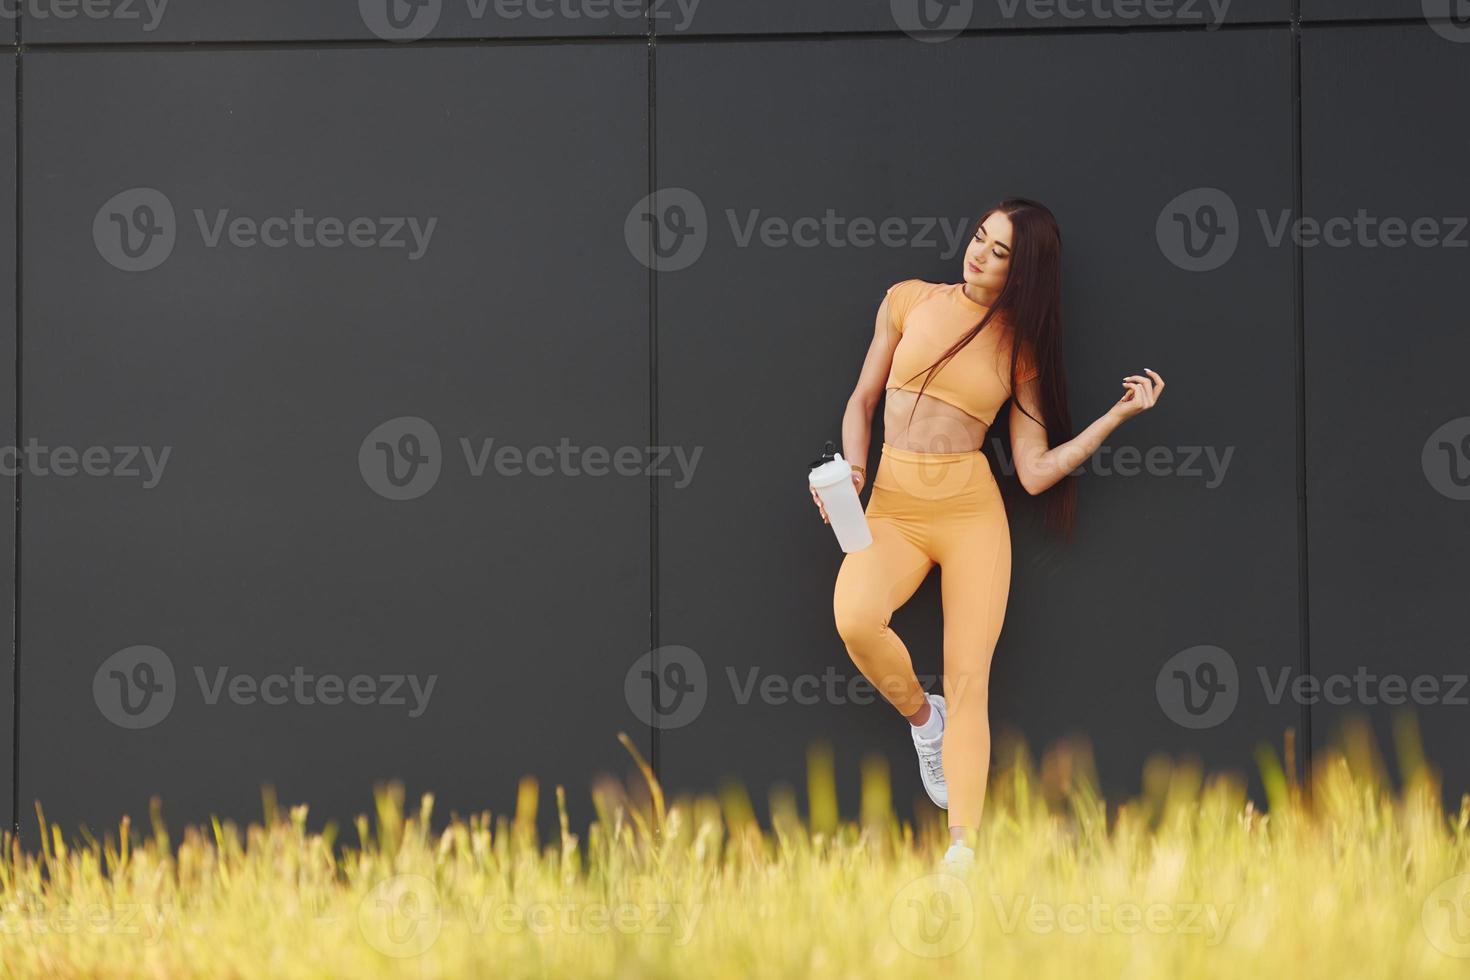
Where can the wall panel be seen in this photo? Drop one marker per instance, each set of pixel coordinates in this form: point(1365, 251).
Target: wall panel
point(397, 21)
point(1388, 422)
point(329, 285)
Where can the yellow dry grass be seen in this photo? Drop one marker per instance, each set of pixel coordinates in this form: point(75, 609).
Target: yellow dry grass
point(1191, 879)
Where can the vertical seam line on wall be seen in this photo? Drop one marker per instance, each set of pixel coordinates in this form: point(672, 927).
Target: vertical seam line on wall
point(1304, 618)
point(654, 746)
point(15, 571)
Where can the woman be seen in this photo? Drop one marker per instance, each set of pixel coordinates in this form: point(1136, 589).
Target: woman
point(976, 343)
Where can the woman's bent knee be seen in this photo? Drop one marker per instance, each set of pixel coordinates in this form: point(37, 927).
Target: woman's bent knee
point(859, 624)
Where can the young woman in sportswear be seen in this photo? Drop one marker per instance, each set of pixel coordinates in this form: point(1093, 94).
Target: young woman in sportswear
point(948, 356)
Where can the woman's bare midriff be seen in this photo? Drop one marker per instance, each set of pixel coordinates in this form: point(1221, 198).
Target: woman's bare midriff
point(937, 426)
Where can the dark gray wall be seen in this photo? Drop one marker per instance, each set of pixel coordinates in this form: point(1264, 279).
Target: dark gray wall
point(8, 481)
point(1294, 519)
point(1388, 423)
point(264, 547)
point(827, 16)
point(1373, 9)
point(143, 22)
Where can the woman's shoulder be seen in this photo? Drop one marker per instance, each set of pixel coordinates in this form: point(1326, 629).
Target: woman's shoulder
point(913, 290)
point(917, 284)
point(903, 296)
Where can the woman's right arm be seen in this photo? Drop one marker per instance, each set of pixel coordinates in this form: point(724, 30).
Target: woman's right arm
point(857, 418)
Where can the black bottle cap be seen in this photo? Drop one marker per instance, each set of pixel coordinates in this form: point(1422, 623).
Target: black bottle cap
point(829, 453)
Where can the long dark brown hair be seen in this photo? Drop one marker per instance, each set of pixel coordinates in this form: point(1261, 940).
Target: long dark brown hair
point(1031, 304)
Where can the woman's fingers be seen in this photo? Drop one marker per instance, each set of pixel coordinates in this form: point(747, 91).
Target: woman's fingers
point(1158, 388)
point(818, 500)
point(1144, 389)
point(1153, 386)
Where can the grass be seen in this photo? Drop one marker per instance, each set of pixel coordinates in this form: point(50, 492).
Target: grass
point(1190, 879)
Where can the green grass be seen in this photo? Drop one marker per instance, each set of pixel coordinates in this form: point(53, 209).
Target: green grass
point(1190, 879)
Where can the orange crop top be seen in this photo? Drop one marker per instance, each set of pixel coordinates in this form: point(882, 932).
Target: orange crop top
point(932, 316)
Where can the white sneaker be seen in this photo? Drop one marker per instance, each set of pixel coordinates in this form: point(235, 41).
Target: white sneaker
point(959, 857)
point(931, 757)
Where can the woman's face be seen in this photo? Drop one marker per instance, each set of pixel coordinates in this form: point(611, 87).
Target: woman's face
point(988, 257)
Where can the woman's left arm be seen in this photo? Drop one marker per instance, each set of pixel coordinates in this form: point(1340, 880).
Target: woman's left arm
point(1039, 466)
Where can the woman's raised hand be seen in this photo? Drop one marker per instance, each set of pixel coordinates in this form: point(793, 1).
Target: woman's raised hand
point(1142, 394)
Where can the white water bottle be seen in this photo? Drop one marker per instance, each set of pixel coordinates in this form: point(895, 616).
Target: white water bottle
point(831, 478)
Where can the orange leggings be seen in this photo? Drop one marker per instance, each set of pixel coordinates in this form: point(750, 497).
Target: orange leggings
point(927, 509)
